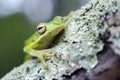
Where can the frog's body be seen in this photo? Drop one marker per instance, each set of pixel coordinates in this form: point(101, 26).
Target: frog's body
point(38, 43)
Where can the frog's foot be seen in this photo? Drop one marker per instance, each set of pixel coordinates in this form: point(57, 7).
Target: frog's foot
point(41, 57)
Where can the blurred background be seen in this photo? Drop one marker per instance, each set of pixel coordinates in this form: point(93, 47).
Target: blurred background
point(18, 21)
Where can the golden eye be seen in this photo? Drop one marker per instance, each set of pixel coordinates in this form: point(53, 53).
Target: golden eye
point(41, 29)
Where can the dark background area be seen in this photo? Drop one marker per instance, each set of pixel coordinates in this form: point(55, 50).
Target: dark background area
point(18, 21)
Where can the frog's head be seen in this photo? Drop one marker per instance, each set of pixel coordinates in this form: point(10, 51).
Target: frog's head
point(45, 32)
point(55, 24)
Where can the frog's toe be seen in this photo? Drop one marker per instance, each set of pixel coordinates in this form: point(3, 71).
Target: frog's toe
point(43, 62)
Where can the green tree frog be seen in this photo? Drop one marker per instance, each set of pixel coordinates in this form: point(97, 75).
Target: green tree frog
point(37, 44)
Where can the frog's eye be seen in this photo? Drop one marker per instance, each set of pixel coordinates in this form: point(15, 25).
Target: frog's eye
point(41, 29)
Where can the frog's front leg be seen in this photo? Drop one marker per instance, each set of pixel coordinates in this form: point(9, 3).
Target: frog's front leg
point(40, 54)
point(44, 53)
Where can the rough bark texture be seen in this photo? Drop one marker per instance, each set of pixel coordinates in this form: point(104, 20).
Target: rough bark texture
point(88, 48)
